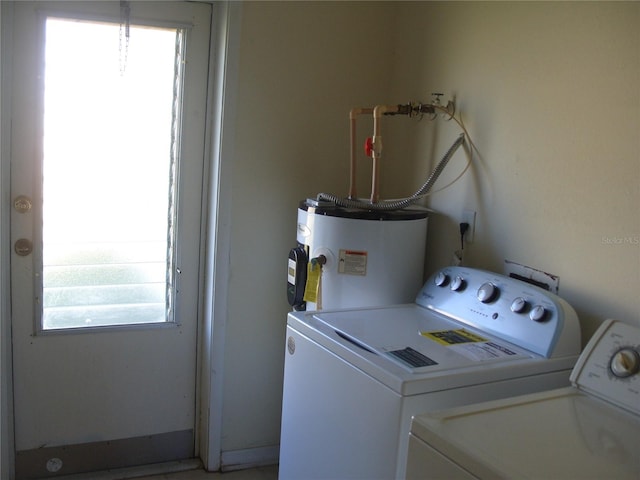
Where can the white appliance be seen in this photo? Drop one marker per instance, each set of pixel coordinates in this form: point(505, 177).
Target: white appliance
point(590, 430)
point(354, 378)
point(368, 258)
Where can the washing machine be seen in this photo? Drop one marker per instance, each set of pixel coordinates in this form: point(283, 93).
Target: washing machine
point(589, 430)
point(354, 378)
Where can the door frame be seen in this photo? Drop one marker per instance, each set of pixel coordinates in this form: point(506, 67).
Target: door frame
point(7, 455)
point(221, 121)
point(215, 246)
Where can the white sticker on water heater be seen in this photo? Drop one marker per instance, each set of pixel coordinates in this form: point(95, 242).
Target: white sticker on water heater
point(291, 272)
point(352, 262)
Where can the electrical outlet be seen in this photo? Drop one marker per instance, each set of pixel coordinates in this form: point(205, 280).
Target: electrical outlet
point(469, 216)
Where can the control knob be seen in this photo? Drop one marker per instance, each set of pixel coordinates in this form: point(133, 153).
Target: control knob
point(487, 292)
point(441, 279)
point(625, 362)
point(538, 313)
point(457, 284)
point(518, 305)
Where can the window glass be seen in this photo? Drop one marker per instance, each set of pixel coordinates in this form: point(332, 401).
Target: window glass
point(111, 118)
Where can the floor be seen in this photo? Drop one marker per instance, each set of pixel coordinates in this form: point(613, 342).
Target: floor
point(181, 470)
point(259, 473)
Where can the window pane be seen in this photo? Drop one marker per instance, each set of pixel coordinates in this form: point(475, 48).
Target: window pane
point(110, 130)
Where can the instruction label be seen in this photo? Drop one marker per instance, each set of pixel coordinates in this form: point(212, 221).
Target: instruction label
point(352, 262)
point(453, 337)
point(470, 345)
point(484, 351)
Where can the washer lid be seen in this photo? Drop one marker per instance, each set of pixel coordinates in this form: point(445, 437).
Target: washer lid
point(561, 433)
point(457, 356)
point(419, 340)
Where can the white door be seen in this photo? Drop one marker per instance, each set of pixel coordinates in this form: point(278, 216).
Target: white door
point(107, 148)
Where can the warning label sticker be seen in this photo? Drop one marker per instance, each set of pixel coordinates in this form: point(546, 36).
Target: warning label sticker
point(352, 262)
point(453, 337)
point(470, 345)
point(485, 351)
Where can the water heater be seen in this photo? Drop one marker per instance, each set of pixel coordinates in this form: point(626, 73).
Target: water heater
point(356, 258)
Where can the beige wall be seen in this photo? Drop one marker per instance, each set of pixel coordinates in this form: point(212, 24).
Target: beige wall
point(302, 67)
point(549, 93)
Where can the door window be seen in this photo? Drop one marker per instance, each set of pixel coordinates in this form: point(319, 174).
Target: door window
point(112, 95)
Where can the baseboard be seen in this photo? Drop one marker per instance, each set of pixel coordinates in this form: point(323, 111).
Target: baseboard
point(249, 457)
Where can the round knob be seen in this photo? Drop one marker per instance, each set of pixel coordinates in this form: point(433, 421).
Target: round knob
point(538, 313)
point(487, 292)
point(625, 362)
point(457, 283)
point(441, 279)
point(518, 305)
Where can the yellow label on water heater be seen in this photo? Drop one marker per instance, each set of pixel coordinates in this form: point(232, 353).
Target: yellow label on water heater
point(312, 288)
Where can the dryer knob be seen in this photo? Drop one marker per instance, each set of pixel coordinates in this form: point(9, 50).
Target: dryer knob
point(441, 279)
point(625, 362)
point(487, 292)
point(538, 313)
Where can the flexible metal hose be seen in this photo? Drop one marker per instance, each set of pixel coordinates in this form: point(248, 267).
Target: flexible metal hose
point(402, 203)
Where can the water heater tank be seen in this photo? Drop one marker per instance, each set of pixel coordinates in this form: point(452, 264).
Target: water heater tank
point(373, 258)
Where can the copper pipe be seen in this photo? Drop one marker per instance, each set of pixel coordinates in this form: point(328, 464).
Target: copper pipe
point(353, 115)
point(378, 111)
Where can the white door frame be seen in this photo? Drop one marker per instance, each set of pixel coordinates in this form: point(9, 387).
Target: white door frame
point(6, 385)
point(225, 41)
point(220, 134)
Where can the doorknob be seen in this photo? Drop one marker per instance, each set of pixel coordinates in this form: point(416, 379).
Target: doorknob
point(22, 204)
point(23, 247)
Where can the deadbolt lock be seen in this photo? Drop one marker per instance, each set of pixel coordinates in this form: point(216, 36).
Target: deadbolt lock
point(23, 247)
point(22, 204)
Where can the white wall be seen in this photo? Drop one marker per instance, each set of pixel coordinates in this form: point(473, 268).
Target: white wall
point(549, 93)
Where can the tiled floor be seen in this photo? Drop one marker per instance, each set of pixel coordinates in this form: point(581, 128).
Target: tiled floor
point(259, 473)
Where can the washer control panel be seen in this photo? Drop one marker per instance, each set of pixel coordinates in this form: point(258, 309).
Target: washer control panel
point(609, 367)
point(511, 309)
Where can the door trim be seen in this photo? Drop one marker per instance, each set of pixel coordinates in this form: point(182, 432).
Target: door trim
point(7, 455)
point(223, 88)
